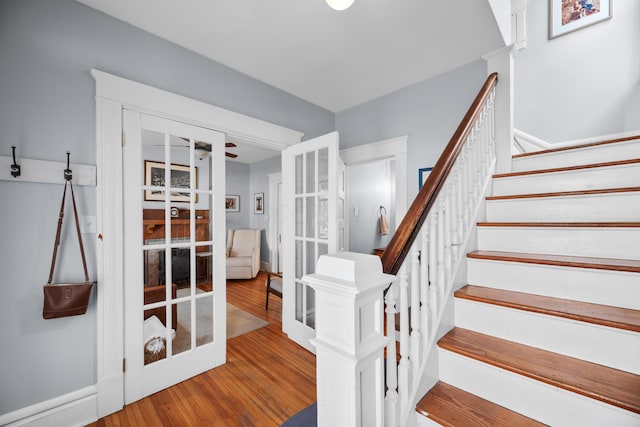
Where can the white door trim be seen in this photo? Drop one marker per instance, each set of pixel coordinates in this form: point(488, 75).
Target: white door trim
point(112, 95)
point(274, 215)
point(393, 148)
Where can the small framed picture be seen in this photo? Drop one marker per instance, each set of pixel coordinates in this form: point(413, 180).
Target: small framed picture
point(566, 16)
point(258, 203)
point(423, 174)
point(232, 203)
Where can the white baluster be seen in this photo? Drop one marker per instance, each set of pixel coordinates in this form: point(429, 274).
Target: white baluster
point(424, 282)
point(433, 286)
point(416, 339)
point(391, 413)
point(404, 367)
point(448, 256)
point(441, 276)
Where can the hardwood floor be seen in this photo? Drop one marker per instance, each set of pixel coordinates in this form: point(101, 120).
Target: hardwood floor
point(266, 380)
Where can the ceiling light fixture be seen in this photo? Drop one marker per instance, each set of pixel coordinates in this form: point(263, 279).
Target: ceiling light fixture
point(340, 4)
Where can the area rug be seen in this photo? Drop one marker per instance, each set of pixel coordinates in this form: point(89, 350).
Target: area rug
point(239, 322)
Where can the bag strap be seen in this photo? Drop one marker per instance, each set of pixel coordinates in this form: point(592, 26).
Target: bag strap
point(57, 242)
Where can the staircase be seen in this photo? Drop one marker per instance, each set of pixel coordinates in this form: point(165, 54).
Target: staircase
point(547, 330)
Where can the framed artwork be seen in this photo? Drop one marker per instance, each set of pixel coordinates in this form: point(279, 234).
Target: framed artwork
point(180, 178)
point(423, 173)
point(232, 203)
point(566, 16)
point(258, 203)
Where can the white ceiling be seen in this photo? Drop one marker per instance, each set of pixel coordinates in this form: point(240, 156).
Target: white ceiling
point(333, 59)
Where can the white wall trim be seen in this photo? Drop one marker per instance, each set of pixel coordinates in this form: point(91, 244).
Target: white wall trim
point(148, 99)
point(274, 206)
point(530, 140)
point(77, 408)
point(113, 94)
point(393, 148)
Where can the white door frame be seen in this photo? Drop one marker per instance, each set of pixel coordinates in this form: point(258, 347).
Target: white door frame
point(394, 149)
point(274, 219)
point(114, 93)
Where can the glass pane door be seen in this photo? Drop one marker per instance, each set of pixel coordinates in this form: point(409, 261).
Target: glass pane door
point(310, 187)
point(174, 285)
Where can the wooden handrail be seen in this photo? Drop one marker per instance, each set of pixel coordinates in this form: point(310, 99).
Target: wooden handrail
point(406, 233)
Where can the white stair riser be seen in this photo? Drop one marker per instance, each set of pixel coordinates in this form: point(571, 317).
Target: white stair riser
point(572, 338)
point(614, 288)
point(623, 176)
point(580, 156)
point(534, 399)
point(622, 243)
point(608, 207)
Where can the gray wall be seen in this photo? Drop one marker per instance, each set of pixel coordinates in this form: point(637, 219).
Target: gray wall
point(47, 106)
point(259, 183)
point(369, 186)
point(237, 183)
point(428, 112)
point(582, 84)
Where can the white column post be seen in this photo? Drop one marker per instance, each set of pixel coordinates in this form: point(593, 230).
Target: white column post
point(502, 62)
point(349, 339)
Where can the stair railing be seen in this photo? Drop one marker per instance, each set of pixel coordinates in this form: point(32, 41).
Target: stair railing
point(427, 249)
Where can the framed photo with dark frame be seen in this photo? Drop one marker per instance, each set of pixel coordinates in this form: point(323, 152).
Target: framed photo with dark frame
point(154, 175)
point(258, 203)
point(566, 16)
point(232, 203)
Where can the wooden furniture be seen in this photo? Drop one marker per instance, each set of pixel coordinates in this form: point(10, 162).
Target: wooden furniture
point(153, 221)
point(156, 294)
point(273, 285)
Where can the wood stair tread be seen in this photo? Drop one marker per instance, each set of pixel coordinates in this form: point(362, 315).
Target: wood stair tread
point(562, 224)
point(451, 406)
point(605, 315)
point(566, 193)
point(590, 144)
point(613, 264)
point(602, 383)
point(567, 168)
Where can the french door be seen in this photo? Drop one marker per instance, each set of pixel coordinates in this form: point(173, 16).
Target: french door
point(313, 210)
point(174, 256)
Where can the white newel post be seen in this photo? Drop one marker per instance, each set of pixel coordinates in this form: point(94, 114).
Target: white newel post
point(349, 339)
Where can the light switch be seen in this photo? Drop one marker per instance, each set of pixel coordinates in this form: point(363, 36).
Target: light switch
point(88, 224)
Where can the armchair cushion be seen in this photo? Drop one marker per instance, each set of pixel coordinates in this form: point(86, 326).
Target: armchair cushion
point(243, 249)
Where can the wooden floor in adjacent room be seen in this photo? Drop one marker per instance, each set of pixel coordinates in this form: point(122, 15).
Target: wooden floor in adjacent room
point(266, 380)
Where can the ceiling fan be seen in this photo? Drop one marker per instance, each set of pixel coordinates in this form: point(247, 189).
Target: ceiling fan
point(203, 146)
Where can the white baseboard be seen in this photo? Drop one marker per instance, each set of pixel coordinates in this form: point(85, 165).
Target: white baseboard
point(77, 408)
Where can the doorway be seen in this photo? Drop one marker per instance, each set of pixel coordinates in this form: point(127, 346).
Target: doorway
point(113, 95)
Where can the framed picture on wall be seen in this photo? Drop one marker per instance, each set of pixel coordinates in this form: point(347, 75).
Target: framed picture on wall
point(154, 173)
point(232, 203)
point(258, 203)
point(423, 173)
point(566, 16)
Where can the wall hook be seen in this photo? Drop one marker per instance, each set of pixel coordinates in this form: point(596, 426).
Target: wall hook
point(67, 171)
point(383, 210)
point(15, 168)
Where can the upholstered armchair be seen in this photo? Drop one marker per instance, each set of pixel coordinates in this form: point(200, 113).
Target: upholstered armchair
point(243, 254)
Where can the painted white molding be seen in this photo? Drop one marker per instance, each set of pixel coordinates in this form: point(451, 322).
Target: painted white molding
point(526, 143)
point(72, 409)
point(349, 339)
point(501, 61)
point(47, 172)
point(113, 94)
point(148, 99)
point(274, 207)
point(519, 23)
point(393, 148)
